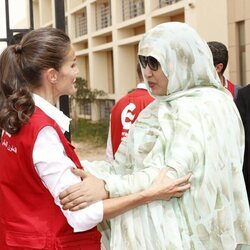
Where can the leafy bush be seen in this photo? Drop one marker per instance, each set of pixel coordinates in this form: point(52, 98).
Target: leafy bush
point(84, 92)
point(88, 131)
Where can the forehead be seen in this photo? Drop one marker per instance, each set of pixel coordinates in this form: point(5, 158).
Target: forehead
point(70, 55)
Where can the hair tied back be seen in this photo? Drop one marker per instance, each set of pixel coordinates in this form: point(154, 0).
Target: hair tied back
point(18, 48)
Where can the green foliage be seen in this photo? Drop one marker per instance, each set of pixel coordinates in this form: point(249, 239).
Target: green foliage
point(85, 130)
point(83, 92)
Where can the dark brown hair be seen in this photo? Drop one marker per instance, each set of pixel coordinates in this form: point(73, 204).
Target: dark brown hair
point(21, 66)
point(139, 73)
point(220, 54)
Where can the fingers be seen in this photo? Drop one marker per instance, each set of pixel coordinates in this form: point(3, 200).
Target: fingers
point(183, 180)
point(68, 191)
point(75, 187)
point(79, 172)
point(183, 188)
point(80, 206)
point(178, 195)
point(70, 196)
point(75, 204)
point(180, 190)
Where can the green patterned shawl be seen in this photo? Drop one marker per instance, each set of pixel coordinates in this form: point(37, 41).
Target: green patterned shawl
point(196, 128)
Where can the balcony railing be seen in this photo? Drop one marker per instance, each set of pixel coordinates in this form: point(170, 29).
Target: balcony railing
point(103, 16)
point(81, 25)
point(132, 8)
point(163, 3)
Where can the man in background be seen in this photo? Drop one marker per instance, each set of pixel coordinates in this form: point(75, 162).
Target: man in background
point(124, 114)
point(220, 59)
point(243, 104)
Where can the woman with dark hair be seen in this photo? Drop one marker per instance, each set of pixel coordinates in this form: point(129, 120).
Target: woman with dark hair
point(36, 159)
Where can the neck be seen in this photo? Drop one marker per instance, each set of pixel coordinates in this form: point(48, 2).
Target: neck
point(222, 79)
point(47, 95)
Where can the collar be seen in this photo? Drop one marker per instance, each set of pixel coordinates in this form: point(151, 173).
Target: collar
point(54, 113)
point(141, 85)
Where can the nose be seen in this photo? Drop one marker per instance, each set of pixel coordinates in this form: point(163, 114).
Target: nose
point(77, 70)
point(147, 72)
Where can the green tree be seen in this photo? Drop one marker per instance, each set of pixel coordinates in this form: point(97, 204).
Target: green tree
point(83, 95)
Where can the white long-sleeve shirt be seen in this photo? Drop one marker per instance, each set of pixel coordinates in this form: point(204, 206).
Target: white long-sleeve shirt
point(53, 166)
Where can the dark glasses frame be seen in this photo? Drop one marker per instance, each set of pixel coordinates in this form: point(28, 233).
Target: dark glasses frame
point(152, 63)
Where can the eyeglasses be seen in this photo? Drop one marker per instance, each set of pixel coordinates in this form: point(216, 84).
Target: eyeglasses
point(152, 63)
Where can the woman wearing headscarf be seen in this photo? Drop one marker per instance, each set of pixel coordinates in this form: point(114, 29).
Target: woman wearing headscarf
point(188, 128)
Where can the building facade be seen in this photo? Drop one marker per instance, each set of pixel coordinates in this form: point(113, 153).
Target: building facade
point(106, 33)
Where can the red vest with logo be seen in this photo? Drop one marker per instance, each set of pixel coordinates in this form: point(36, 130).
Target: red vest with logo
point(29, 217)
point(125, 112)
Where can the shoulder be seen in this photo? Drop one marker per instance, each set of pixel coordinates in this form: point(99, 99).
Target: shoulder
point(120, 104)
point(204, 101)
point(243, 96)
point(244, 91)
point(39, 120)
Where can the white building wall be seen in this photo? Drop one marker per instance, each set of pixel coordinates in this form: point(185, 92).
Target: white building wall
point(122, 31)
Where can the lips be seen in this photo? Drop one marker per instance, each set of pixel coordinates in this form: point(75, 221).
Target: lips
point(151, 84)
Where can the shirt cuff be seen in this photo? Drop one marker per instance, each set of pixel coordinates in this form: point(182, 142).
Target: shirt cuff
point(87, 218)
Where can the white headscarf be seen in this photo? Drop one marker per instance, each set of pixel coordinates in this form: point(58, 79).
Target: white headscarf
point(185, 58)
point(196, 128)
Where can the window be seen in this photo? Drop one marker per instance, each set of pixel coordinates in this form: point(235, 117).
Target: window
point(103, 15)
point(105, 108)
point(85, 107)
point(81, 24)
point(163, 3)
point(132, 8)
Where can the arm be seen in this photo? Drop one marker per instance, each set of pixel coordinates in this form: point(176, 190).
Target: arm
point(163, 188)
point(159, 157)
point(55, 173)
point(177, 151)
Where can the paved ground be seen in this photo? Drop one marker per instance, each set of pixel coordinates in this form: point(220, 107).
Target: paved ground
point(87, 151)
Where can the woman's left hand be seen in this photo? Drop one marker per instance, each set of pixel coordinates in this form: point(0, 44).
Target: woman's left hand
point(164, 187)
point(81, 195)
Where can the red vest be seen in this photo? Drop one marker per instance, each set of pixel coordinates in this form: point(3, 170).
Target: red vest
point(231, 87)
point(125, 112)
point(29, 217)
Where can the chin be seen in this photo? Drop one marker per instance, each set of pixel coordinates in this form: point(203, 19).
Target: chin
point(156, 93)
point(72, 91)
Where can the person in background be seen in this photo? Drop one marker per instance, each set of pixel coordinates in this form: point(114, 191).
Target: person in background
point(124, 113)
point(243, 104)
point(220, 59)
point(36, 158)
point(193, 126)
